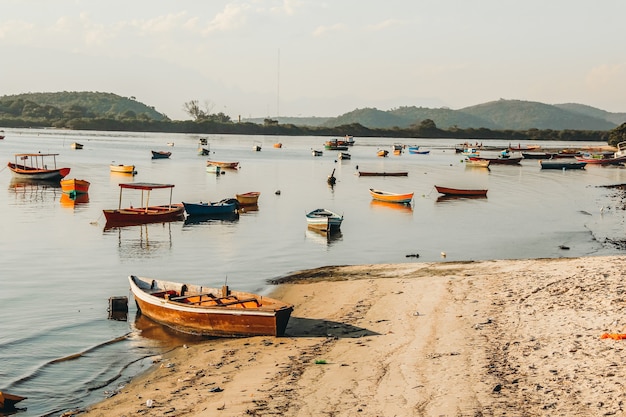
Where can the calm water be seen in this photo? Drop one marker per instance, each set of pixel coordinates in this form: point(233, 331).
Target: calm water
point(60, 267)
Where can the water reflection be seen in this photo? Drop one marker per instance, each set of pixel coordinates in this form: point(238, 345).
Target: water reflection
point(162, 335)
point(212, 218)
point(448, 198)
point(34, 190)
point(68, 201)
point(323, 237)
point(384, 205)
point(248, 209)
point(142, 241)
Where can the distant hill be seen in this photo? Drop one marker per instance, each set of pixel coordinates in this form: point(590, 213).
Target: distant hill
point(100, 104)
point(496, 115)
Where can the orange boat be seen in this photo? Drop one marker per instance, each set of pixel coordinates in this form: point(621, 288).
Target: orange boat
point(278, 145)
point(146, 213)
point(209, 311)
point(391, 197)
point(73, 186)
point(459, 191)
point(248, 199)
point(382, 152)
point(222, 164)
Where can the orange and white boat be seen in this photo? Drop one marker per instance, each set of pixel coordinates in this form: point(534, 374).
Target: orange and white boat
point(391, 197)
point(223, 164)
point(248, 199)
point(123, 169)
point(74, 187)
point(37, 169)
point(382, 152)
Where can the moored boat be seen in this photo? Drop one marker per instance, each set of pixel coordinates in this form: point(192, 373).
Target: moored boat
point(224, 164)
point(460, 191)
point(316, 152)
point(203, 151)
point(419, 152)
point(250, 198)
point(278, 145)
point(561, 164)
point(76, 145)
point(478, 163)
point(324, 220)
point(256, 147)
point(335, 145)
point(383, 174)
point(122, 169)
point(509, 160)
point(343, 155)
point(601, 159)
point(38, 168)
point(391, 197)
point(228, 205)
point(146, 213)
point(213, 169)
point(161, 154)
point(209, 311)
point(73, 186)
point(382, 152)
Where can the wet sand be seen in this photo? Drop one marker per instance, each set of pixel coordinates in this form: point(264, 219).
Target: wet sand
point(515, 338)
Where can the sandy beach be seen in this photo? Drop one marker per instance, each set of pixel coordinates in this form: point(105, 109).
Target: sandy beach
point(514, 338)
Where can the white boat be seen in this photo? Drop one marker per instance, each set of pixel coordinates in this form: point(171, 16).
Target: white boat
point(343, 155)
point(213, 169)
point(621, 150)
point(316, 152)
point(324, 220)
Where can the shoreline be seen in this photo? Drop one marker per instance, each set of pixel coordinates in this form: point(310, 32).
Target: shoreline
point(516, 337)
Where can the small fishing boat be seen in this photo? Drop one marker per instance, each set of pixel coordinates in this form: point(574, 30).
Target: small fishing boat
point(382, 153)
point(38, 168)
point(343, 155)
point(146, 213)
point(412, 149)
point(73, 186)
point(335, 145)
point(207, 311)
point(278, 145)
point(316, 153)
point(2, 134)
point(537, 155)
point(161, 154)
point(227, 205)
point(418, 152)
point(391, 197)
point(76, 145)
point(213, 169)
point(170, 143)
point(600, 159)
point(477, 163)
point(562, 164)
point(256, 147)
point(460, 191)
point(324, 220)
point(502, 160)
point(248, 199)
point(122, 169)
point(519, 147)
point(621, 149)
point(8, 401)
point(383, 174)
point(223, 164)
point(203, 151)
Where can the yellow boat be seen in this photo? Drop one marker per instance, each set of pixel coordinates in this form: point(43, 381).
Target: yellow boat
point(391, 197)
point(123, 169)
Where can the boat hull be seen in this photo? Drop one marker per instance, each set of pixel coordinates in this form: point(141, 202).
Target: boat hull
point(204, 209)
point(383, 174)
point(391, 197)
point(324, 220)
point(160, 155)
point(500, 161)
point(240, 315)
point(562, 165)
point(75, 186)
point(222, 164)
point(122, 169)
point(460, 192)
point(248, 199)
point(143, 215)
point(22, 171)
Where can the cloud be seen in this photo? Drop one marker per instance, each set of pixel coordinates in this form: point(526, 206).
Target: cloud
point(385, 24)
point(232, 17)
point(606, 75)
point(326, 30)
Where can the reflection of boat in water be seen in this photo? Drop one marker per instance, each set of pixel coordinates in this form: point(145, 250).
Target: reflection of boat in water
point(377, 204)
point(34, 190)
point(322, 236)
point(163, 335)
point(229, 217)
point(141, 241)
point(248, 208)
point(71, 201)
point(447, 197)
point(8, 401)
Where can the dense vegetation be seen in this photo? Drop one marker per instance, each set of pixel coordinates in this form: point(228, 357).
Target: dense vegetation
point(105, 111)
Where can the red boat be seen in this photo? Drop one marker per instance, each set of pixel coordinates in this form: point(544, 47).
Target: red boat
point(459, 191)
point(146, 213)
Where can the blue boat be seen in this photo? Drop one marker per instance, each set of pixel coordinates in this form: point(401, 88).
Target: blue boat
point(228, 205)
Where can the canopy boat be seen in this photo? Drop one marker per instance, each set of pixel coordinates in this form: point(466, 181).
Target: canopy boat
point(562, 164)
point(73, 186)
point(76, 145)
point(383, 174)
point(146, 213)
point(460, 192)
point(391, 197)
point(123, 169)
point(343, 155)
point(250, 198)
point(316, 153)
point(324, 220)
point(209, 311)
point(382, 153)
point(38, 169)
point(161, 154)
point(8, 401)
point(227, 205)
point(223, 164)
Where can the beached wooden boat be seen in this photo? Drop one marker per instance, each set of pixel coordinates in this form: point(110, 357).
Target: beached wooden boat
point(37, 169)
point(73, 186)
point(122, 169)
point(460, 191)
point(383, 174)
point(8, 401)
point(161, 154)
point(316, 153)
point(228, 205)
point(209, 311)
point(248, 199)
point(478, 163)
point(223, 164)
point(562, 164)
point(343, 155)
point(76, 145)
point(324, 220)
point(145, 213)
point(382, 153)
point(391, 197)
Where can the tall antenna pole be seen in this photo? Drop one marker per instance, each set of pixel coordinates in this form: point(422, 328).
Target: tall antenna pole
point(278, 86)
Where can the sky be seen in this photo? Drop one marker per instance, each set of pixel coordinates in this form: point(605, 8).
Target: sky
point(302, 58)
